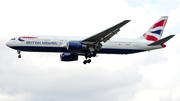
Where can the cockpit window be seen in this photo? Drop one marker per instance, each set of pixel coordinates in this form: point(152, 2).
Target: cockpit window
point(13, 39)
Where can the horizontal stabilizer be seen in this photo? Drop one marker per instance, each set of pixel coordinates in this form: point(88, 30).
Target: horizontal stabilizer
point(161, 41)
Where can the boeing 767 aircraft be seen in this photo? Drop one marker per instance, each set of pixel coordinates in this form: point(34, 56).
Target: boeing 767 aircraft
point(100, 43)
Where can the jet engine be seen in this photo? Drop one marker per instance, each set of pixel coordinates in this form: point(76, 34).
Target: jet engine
point(68, 57)
point(75, 46)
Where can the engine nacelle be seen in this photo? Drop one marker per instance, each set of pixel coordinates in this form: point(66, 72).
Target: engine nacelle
point(68, 57)
point(75, 46)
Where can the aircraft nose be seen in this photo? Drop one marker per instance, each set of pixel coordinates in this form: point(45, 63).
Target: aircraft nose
point(8, 44)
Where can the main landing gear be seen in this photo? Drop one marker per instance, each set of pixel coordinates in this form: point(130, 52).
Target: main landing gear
point(19, 53)
point(87, 61)
point(89, 55)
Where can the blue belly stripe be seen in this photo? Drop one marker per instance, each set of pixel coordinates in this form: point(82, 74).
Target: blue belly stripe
point(63, 49)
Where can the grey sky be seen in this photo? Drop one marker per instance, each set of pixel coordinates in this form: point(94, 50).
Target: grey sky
point(147, 76)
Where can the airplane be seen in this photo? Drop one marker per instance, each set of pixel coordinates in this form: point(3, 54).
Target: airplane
point(100, 43)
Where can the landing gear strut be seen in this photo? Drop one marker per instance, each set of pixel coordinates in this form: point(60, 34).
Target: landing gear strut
point(19, 53)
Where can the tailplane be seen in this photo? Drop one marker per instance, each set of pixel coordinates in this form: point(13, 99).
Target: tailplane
point(155, 32)
point(161, 41)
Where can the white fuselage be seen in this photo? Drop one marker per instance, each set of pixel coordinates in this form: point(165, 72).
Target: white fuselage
point(59, 44)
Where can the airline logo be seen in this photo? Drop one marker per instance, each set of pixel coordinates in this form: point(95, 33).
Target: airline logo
point(154, 33)
point(21, 39)
point(161, 24)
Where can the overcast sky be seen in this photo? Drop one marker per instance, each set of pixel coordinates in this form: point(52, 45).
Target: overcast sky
point(147, 76)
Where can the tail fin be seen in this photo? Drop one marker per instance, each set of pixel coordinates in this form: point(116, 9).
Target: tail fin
point(154, 33)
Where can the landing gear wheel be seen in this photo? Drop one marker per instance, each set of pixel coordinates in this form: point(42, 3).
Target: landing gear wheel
point(19, 56)
point(85, 61)
point(89, 55)
point(19, 53)
point(89, 60)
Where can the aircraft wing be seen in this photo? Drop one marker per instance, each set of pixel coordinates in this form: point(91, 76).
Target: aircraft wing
point(105, 35)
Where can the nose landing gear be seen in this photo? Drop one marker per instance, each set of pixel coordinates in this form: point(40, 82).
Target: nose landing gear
point(19, 53)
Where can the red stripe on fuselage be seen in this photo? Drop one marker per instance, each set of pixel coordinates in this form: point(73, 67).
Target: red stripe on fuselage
point(28, 37)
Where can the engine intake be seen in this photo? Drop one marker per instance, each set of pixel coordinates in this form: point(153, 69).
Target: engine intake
point(68, 57)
